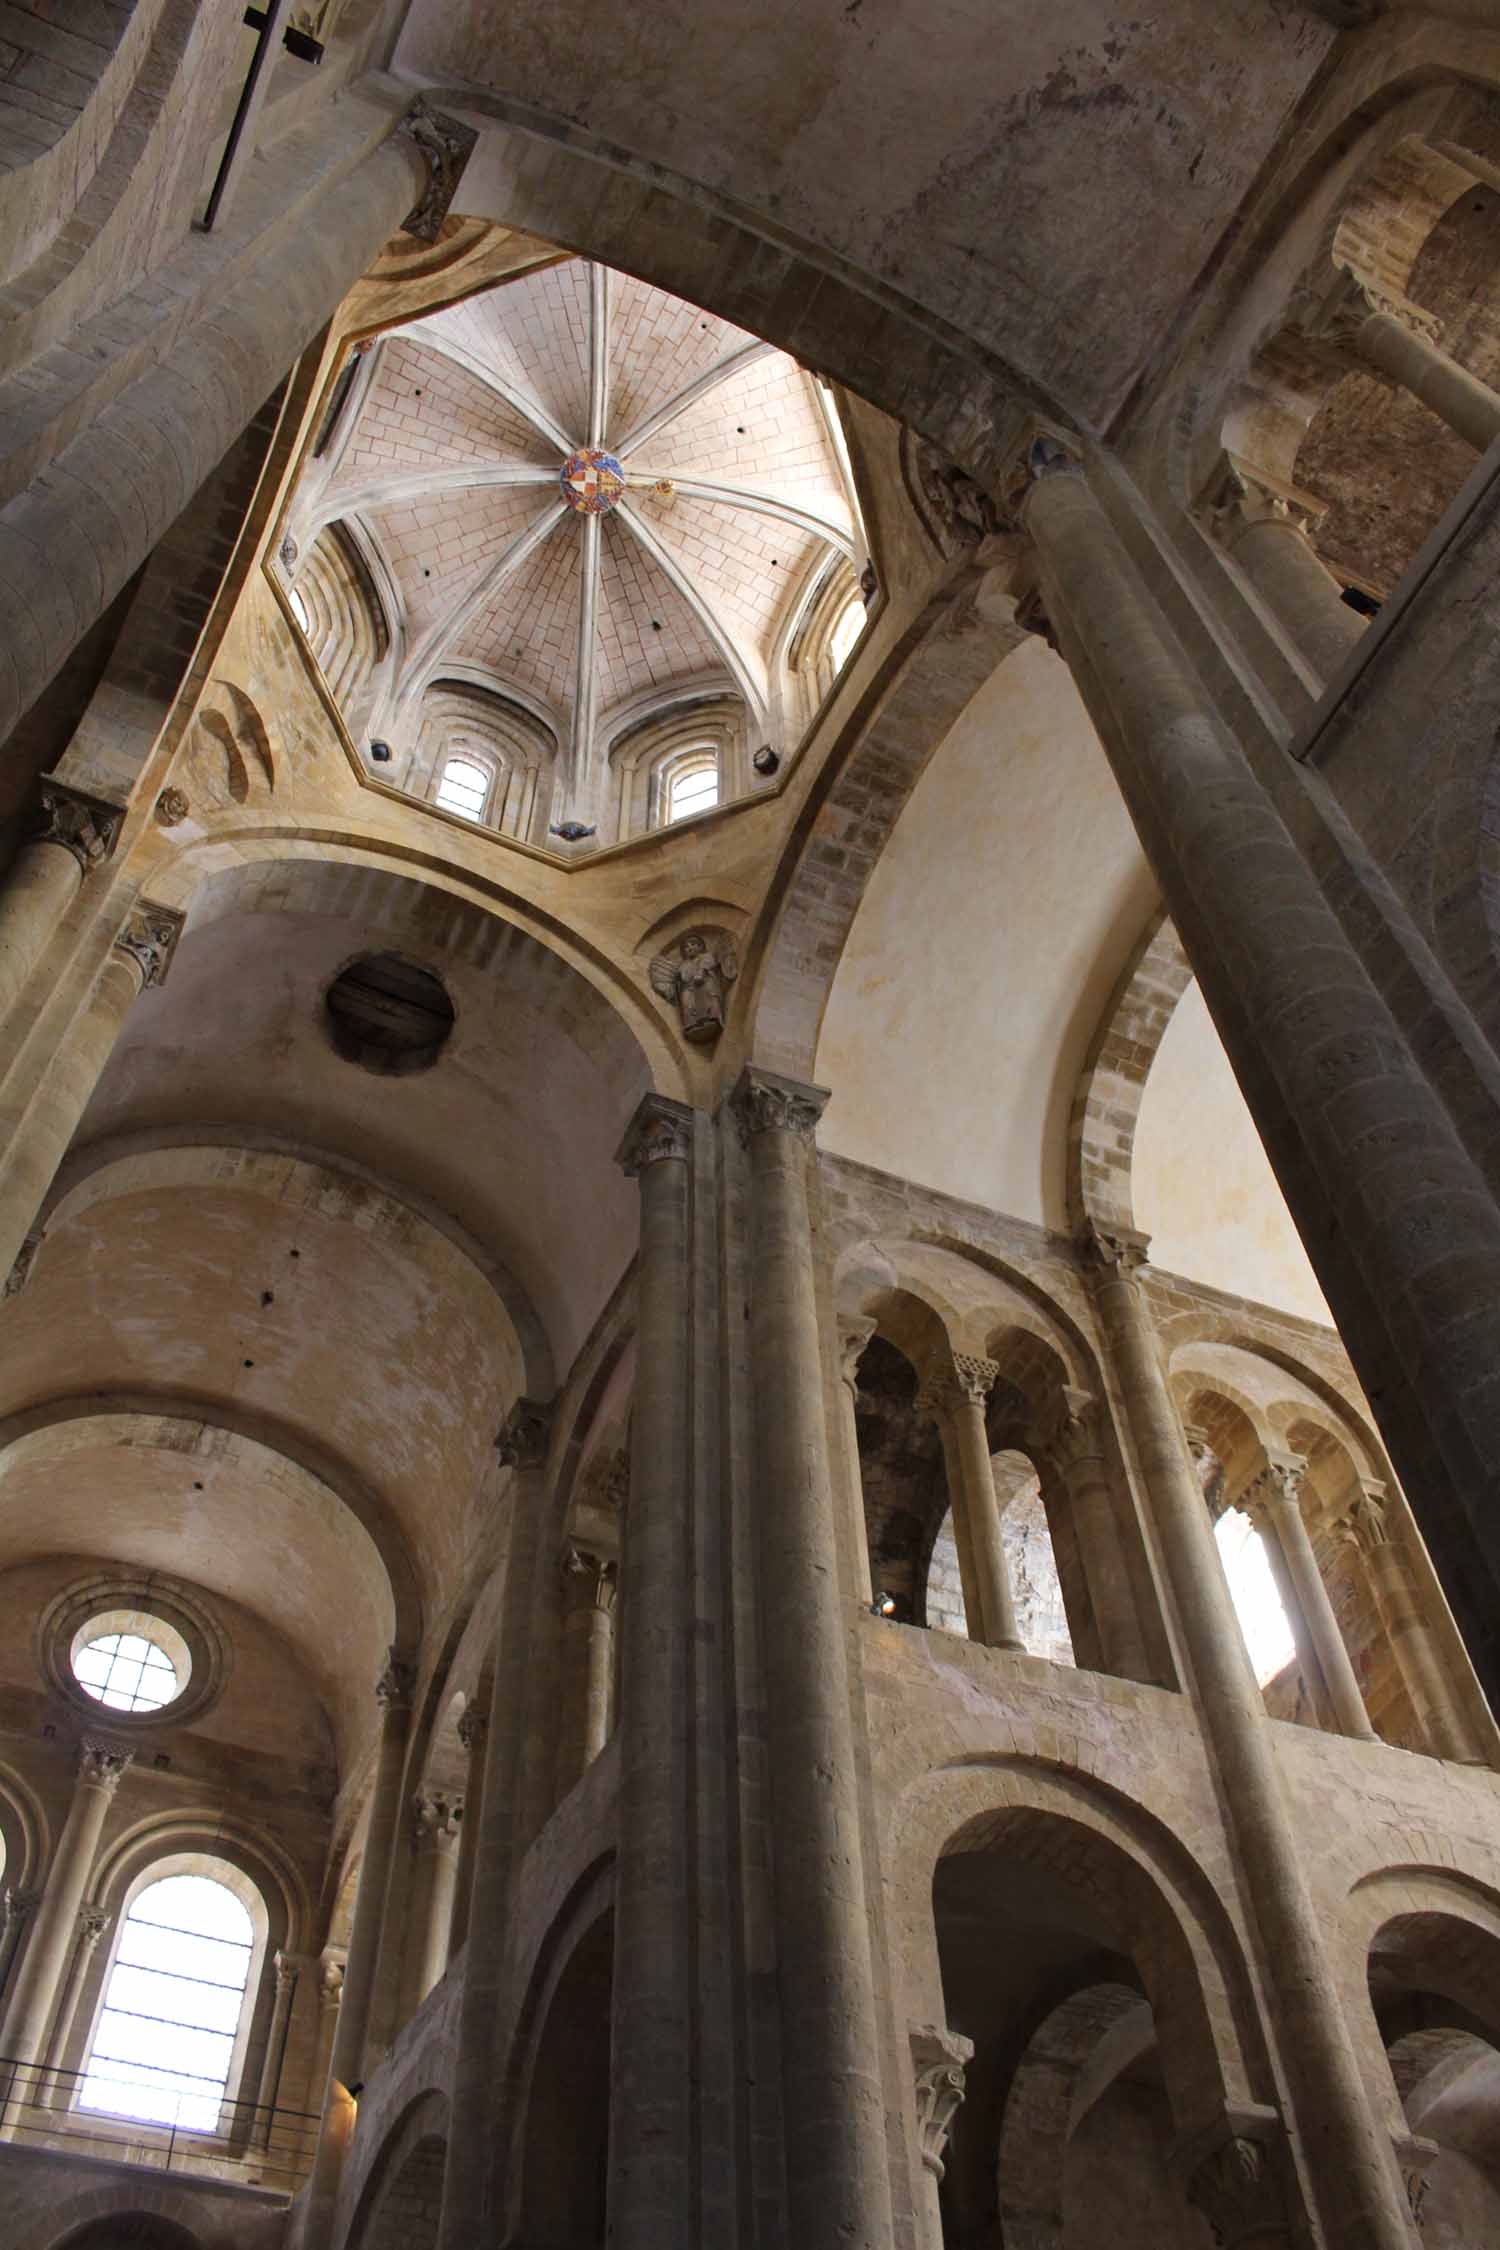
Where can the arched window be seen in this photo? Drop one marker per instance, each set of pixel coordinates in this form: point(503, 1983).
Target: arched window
point(690, 786)
point(165, 2038)
point(1268, 1636)
point(299, 610)
point(464, 788)
point(847, 627)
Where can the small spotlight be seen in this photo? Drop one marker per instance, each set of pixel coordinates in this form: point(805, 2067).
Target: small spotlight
point(883, 1606)
point(381, 753)
point(765, 759)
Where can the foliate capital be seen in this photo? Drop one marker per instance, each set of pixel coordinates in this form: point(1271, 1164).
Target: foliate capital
point(1118, 1251)
point(331, 1979)
point(149, 938)
point(1238, 2192)
point(525, 1434)
point(102, 1764)
point(1074, 1431)
point(1278, 1484)
point(446, 147)
point(88, 827)
point(397, 1684)
point(1045, 450)
point(765, 1102)
point(1336, 318)
point(660, 1132)
point(938, 2057)
point(1239, 497)
point(1365, 1524)
point(473, 1726)
point(93, 1921)
point(288, 1967)
point(437, 1815)
point(589, 1579)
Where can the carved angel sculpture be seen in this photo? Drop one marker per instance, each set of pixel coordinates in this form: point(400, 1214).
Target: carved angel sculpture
point(696, 975)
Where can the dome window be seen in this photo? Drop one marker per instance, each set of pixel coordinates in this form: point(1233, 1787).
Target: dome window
point(131, 1666)
point(464, 788)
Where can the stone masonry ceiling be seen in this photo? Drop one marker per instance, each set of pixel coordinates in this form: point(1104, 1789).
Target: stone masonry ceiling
point(586, 494)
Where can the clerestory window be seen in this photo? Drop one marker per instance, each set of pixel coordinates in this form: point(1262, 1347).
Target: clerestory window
point(692, 787)
point(165, 2038)
point(1263, 1621)
point(848, 626)
point(464, 788)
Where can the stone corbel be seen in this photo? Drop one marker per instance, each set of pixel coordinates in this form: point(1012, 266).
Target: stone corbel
point(937, 2057)
point(446, 147)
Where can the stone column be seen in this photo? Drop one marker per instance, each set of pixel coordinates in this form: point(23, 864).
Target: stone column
point(1360, 1138)
point(1397, 340)
point(93, 1921)
point(937, 2057)
point(954, 1398)
point(1275, 1500)
point(34, 1999)
point(330, 1994)
point(1349, 2160)
point(437, 1823)
point(588, 1641)
point(651, 2190)
point(393, 1695)
point(1366, 1527)
point(522, 1446)
point(472, 1729)
point(141, 956)
point(838, 2186)
point(1265, 527)
point(286, 1968)
point(71, 834)
point(1291, 1604)
point(853, 1337)
point(1076, 1447)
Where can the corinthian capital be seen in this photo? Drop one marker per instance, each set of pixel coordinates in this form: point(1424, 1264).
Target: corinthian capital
point(1239, 496)
point(765, 1102)
point(101, 1765)
point(1364, 1524)
point(1337, 318)
point(1279, 1483)
point(149, 938)
point(659, 1132)
point(93, 1921)
point(88, 827)
point(938, 2057)
point(1118, 1251)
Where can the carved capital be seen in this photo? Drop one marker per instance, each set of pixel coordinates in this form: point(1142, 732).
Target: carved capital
point(437, 1815)
point(937, 2057)
point(973, 1377)
point(16, 1908)
point(1120, 1252)
point(1416, 2157)
point(1337, 319)
point(1365, 1523)
point(1237, 2189)
point(1238, 497)
point(446, 147)
point(397, 1684)
point(287, 1968)
point(1207, 1466)
point(1277, 1486)
point(957, 512)
point(1075, 1431)
point(473, 1726)
point(101, 1765)
point(331, 1980)
point(88, 827)
point(149, 939)
point(764, 1102)
point(589, 1580)
point(93, 1921)
point(854, 1335)
point(661, 1131)
point(1044, 451)
point(525, 1434)
point(172, 808)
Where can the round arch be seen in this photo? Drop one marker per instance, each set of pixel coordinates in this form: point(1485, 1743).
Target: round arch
point(399, 2202)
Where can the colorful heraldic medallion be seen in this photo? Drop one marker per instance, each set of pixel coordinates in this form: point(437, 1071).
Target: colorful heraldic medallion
point(592, 481)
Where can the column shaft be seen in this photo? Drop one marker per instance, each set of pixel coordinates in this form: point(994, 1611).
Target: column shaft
point(472, 1730)
point(976, 1498)
point(588, 1664)
point(1367, 1531)
point(434, 1878)
point(1075, 1448)
point(285, 1967)
point(1344, 1693)
point(43, 881)
point(1278, 558)
point(837, 2178)
point(141, 956)
point(1359, 1136)
point(1350, 2161)
point(1406, 356)
point(651, 2192)
point(853, 1337)
point(54, 1930)
point(351, 2059)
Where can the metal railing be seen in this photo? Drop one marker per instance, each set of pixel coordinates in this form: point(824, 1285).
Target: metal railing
point(90, 2114)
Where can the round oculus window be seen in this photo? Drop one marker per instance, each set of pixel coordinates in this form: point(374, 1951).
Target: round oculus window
point(136, 1664)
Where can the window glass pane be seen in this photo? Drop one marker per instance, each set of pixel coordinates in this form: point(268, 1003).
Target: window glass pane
point(165, 2037)
point(693, 788)
point(127, 1672)
point(846, 632)
point(463, 788)
point(1268, 1636)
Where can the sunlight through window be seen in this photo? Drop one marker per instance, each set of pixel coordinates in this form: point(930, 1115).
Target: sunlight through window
point(1268, 1636)
point(849, 626)
point(693, 788)
point(127, 1672)
point(165, 2036)
point(464, 788)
